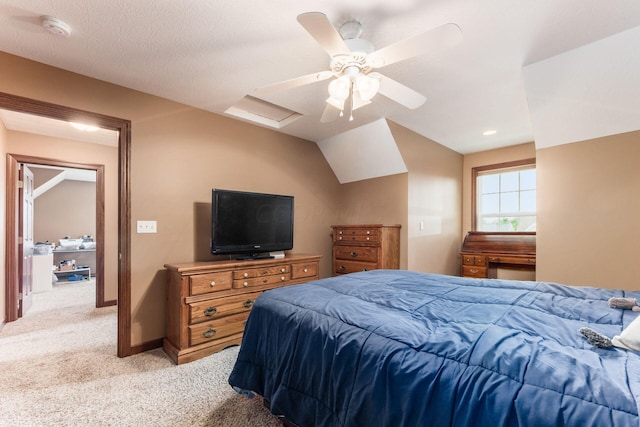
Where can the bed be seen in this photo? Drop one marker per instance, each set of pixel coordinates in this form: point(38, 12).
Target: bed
point(400, 348)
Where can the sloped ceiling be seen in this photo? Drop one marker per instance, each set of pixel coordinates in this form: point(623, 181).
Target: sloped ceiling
point(210, 55)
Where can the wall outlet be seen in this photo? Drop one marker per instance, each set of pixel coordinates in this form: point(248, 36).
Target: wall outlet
point(147, 227)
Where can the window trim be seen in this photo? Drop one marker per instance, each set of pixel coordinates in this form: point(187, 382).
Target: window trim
point(474, 179)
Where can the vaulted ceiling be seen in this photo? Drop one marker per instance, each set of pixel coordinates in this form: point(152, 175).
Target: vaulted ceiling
point(552, 72)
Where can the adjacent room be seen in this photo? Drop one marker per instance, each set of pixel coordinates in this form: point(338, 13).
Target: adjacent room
point(425, 200)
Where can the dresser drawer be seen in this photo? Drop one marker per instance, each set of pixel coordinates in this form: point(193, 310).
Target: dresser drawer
point(343, 266)
point(299, 271)
point(473, 271)
point(356, 253)
point(210, 282)
point(212, 309)
point(260, 281)
point(260, 272)
point(364, 235)
point(214, 329)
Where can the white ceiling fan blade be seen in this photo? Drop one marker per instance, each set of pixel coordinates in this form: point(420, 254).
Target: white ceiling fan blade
point(430, 41)
point(295, 82)
point(399, 93)
point(330, 114)
point(320, 28)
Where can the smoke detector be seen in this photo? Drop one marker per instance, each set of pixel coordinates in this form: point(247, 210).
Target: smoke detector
point(55, 26)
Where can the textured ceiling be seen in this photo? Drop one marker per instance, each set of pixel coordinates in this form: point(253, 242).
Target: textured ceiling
point(211, 55)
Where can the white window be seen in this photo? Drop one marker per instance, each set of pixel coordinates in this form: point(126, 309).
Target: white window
point(505, 197)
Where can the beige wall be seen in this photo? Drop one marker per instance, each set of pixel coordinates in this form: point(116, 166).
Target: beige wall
point(178, 154)
point(434, 196)
point(68, 209)
point(79, 152)
point(490, 157)
point(588, 205)
point(3, 235)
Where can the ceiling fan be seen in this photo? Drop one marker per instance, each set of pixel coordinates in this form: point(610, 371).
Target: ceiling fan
point(353, 60)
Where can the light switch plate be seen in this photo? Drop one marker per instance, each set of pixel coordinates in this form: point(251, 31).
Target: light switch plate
point(147, 227)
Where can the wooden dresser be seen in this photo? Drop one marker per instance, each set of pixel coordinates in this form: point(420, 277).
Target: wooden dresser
point(365, 247)
point(209, 302)
point(483, 252)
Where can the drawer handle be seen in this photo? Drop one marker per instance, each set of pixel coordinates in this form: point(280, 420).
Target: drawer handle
point(474, 270)
point(282, 270)
point(305, 270)
point(265, 281)
point(213, 283)
point(340, 238)
point(282, 279)
point(246, 275)
point(210, 311)
point(354, 254)
point(245, 284)
point(368, 232)
point(209, 333)
point(365, 269)
point(342, 268)
point(368, 238)
point(248, 303)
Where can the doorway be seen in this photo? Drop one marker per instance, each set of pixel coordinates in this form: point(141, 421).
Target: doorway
point(20, 162)
point(123, 127)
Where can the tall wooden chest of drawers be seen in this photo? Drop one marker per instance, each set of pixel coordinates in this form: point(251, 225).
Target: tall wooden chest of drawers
point(365, 247)
point(209, 302)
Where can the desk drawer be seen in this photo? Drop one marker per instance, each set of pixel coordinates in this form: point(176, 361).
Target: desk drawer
point(512, 260)
point(473, 271)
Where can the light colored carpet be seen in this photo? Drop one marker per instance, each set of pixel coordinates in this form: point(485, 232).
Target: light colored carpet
point(59, 367)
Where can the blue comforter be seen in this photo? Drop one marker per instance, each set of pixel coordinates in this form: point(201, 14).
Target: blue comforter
point(399, 348)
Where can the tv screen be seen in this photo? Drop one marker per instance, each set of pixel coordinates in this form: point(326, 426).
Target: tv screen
point(252, 224)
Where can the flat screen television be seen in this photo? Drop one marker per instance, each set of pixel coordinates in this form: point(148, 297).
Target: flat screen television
point(249, 225)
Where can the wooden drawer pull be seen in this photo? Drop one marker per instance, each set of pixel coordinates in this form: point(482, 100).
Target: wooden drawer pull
point(209, 333)
point(248, 303)
point(210, 311)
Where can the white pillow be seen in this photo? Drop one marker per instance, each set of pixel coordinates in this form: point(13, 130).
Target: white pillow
point(629, 338)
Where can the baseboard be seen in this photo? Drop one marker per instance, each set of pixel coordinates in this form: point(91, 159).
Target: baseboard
point(145, 346)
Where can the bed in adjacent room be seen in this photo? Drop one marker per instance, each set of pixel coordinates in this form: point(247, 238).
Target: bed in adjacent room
point(400, 348)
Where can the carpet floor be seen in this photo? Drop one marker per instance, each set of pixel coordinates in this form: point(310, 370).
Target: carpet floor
point(59, 367)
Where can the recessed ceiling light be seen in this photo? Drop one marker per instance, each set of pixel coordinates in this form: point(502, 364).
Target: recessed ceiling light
point(489, 132)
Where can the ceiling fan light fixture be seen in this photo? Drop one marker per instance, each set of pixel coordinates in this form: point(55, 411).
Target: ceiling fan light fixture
point(367, 86)
point(339, 88)
point(339, 104)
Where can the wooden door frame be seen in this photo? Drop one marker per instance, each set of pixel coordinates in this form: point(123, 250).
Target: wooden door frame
point(123, 127)
point(13, 164)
